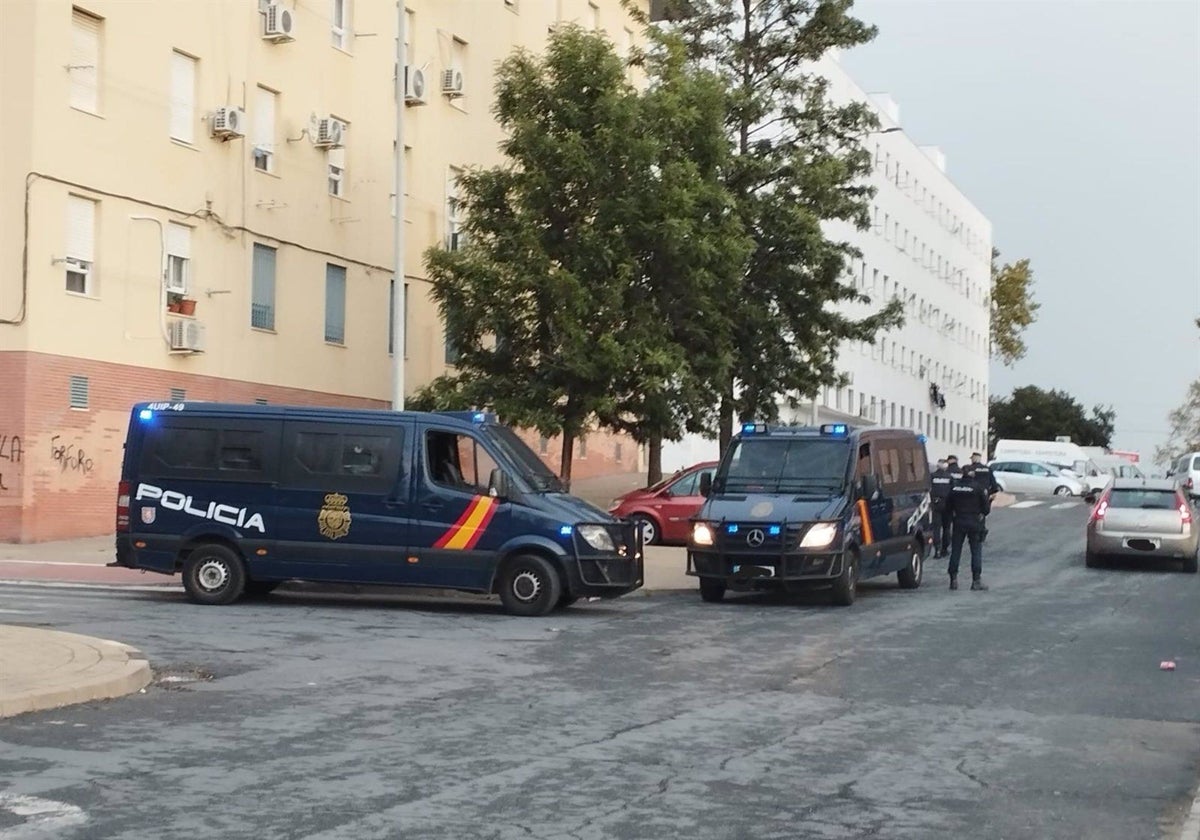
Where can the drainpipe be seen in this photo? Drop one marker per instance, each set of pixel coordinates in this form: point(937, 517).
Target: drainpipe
point(162, 275)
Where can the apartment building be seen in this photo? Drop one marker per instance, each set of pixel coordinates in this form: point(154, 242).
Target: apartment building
point(196, 202)
point(929, 247)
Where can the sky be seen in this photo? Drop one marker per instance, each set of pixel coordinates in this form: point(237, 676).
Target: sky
point(1074, 126)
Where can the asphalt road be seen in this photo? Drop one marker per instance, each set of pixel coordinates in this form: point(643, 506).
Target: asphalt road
point(1035, 710)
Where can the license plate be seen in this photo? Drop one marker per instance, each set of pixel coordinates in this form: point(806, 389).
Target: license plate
point(764, 571)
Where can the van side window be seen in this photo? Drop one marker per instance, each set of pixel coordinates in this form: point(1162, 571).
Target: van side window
point(889, 466)
point(864, 461)
point(363, 459)
point(174, 451)
point(458, 461)
point(909, 463)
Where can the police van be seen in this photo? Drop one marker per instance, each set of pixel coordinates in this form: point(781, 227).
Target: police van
point(792, 507)
point(239, 498)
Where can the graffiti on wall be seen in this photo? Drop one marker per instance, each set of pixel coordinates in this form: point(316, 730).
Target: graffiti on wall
point(69, 457)
point(11, 453)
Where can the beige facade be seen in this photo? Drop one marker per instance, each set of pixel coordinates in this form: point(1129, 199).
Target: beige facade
point(111, 171)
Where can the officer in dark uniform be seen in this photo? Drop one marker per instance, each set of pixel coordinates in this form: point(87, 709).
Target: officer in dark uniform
point(940, 481)
point(952, 465)
point(969, 505)
point(981, 474)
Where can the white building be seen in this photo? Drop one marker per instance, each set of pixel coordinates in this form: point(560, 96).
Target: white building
point(930, 247)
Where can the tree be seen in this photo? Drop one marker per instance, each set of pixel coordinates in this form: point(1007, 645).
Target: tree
point(1013, 308)
point(1185, 426)
point(689, 242)
point(1031, 413)
point(798, 161)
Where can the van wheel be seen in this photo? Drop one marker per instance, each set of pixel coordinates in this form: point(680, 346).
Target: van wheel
point(566, 601)
point(712, 590)
point(910, 575)
point(845, 586)
point(261, 588)
point(530, 585)
point(214, 575)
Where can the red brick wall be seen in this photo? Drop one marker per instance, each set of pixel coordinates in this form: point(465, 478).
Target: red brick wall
point(61, 478)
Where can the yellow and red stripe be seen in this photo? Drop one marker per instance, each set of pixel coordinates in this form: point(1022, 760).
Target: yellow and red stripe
point(466, 532)
point(865, 517)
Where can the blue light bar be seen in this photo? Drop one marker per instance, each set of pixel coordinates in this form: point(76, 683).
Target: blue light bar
point(731, 529)
point(922, 438)
point(565, 530)
point(774, 530)
point(835, 429)
point(145, 414)
point(478, 417)
point(754, 428)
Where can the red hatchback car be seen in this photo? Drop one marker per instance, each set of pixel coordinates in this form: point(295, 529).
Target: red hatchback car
point(664, 509)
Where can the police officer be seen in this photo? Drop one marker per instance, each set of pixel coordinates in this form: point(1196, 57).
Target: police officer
point(981, 474)
point(952, 465)
point(940, 481)
point(969, 505)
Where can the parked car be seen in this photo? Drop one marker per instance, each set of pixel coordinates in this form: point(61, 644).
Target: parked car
point(1186, 470)
point(1037, 478)
point(1143, 518)
point(663, 510)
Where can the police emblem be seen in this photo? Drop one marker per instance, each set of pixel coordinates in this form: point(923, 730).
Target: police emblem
point(148, 515)
point(334, 518)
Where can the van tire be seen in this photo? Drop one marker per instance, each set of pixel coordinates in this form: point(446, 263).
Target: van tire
point(712, 590)
point(910, 576)
point(845, 585)
point(213, 575)
point(530, 585)
point(565, 601)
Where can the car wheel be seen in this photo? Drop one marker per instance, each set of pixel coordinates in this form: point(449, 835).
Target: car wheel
point(651, 535)
point(214, 575)
point(261, 588)
point(529, 585)
point(1063, 490)
point(712, 590)
point(845, 587)
point(1189, 565)
point(1091, 560)
point(910, 576)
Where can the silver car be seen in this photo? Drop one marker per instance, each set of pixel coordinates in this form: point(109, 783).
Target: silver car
point(1143, 517)
point(1038, 478)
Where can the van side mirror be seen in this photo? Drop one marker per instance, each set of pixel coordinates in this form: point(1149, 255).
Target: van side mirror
point(705, 483)
point(498, 486)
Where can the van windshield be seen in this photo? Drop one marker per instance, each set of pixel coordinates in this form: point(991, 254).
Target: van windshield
point(530, 467)
point(784, 465)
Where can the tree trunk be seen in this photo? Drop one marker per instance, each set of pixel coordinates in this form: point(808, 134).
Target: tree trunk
point(725, 425)
point(655, 448)
point(568, 455)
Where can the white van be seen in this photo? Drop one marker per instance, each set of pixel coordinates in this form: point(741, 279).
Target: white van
point(1062, 454)
point(1186, 470)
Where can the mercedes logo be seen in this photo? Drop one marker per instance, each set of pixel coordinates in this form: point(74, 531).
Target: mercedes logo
point(755, 538)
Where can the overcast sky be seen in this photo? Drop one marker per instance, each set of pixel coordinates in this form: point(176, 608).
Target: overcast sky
point(1074, 125)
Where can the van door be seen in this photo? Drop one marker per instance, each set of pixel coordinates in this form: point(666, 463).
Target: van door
point(875, 529)
point(343, 503)
point(457, 525)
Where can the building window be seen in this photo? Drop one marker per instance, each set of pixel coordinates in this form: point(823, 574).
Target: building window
point(262, 292)
point(84, 68)
point(178, 394)
point(264, 129)
point(179, 258)
point(451, 351)
point(340, 20)
point(81, 244)
point(79, 392)
point(183, 97)
point(454, 235)
point(335, 304)
point(336, 159)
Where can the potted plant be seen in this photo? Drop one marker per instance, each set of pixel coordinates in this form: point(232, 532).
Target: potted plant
point(173, 302)
point(187, 306)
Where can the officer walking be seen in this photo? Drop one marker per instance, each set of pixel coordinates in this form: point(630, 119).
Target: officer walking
point(969, 505)
point(939, 493)
point(981, 474)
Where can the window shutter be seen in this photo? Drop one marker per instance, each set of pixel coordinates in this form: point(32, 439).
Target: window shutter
point(81, 228)
point(179, 240)
point(264, 120)
point(183, 97)
point(85, 62)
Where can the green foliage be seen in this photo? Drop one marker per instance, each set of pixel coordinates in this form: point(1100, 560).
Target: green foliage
point(1013, 308)
point(1031, 413)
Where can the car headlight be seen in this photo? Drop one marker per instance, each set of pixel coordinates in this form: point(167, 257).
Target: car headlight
point(597, 537)
point(819, 535)
point(702, 534)
point(613, 505)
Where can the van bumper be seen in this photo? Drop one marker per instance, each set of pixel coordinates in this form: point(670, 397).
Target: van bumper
point(750, 571)
point(608, 574)
point(131, 557)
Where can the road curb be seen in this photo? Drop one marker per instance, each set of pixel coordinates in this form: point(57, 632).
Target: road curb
point(49, 669)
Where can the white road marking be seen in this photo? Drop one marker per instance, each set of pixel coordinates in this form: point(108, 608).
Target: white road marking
point(42, 817)
point(1026, 504)
point(100, 587)
point(1191, 828)
point(1064, 505)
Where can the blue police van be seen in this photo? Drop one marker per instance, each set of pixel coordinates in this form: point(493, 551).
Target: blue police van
point(792, 507)
point(239, 498)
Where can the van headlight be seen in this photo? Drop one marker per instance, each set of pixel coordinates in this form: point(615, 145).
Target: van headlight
point(702, 534)
point(597, 537)
point(819, 535)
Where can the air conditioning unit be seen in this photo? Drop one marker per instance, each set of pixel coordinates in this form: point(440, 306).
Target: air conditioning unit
point(414, 86)
point(229, 121)
point(277, 25)
point(329, 133)
point(186, 335)
point(452, 83)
